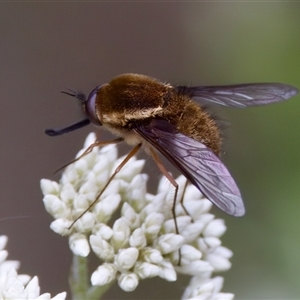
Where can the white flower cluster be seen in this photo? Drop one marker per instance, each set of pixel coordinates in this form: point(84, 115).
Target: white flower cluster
point(14, 286)
point(142, 242)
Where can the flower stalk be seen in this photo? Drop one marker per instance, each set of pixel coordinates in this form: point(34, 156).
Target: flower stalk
point(79, 281)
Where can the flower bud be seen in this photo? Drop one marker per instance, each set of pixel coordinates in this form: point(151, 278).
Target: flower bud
point(128, 282)
point(102, 248)
point(138, 239)
point(126, 258)
point(145, 270)
point(104, 274)
point(79, 244)
point(169, 242)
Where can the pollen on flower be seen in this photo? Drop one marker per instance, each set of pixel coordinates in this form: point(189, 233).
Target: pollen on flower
point(131, 231)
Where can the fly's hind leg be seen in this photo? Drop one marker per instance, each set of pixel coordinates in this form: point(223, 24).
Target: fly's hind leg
point(172, 181)
point(176, 186)
point(182, 200)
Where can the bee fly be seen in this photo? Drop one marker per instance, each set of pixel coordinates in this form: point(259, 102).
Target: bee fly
point(171, 120)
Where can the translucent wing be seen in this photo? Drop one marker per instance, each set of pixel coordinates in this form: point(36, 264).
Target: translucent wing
point(241, 95)
point(197, 163)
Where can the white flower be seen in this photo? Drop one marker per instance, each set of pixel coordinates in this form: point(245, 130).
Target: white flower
point(14, 286)
point(6, 264)
point(104, 274)
point(126, 258)
point(142, 242)
point(206, 289)
point(79, 244)
point(146, 270)
point(102, 248)
point(128, 282)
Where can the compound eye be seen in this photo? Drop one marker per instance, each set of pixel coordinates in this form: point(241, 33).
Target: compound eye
point(90, 106)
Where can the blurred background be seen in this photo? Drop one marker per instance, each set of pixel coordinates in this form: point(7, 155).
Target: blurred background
point(47, 47)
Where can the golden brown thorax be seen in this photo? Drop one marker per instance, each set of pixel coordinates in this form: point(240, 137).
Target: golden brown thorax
point(130, 99)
